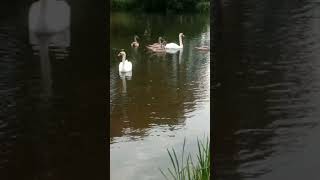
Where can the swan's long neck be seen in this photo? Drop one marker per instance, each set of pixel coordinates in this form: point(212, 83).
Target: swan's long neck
point(159, 40)
point(135, 39)
point(180, 41)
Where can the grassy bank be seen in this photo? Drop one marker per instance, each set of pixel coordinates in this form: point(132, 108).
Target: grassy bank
point(175, 6)
point(187, 168)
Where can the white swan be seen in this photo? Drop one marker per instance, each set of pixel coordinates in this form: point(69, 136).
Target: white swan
point(49, 16)
point(174, 45)
point(125, 65)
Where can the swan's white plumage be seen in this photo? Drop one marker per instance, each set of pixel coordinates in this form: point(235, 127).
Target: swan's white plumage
point(172, 51)
point(125, 66)
point(173, 46)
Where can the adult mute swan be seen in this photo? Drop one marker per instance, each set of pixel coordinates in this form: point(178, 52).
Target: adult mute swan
point(49, 16)
point(135, 42)
point(174, 45)
point(125, 65)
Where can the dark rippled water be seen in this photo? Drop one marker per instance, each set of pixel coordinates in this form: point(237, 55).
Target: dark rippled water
point(266, 110)
point(48, 116)
point(165, 100)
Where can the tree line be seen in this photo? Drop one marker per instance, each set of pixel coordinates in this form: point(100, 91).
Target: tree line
point(161, 5)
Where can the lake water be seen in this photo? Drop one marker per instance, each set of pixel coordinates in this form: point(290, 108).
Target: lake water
point(266, 109)
point(167, 97)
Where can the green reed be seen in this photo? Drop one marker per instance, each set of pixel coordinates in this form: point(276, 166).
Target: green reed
point(187, 169)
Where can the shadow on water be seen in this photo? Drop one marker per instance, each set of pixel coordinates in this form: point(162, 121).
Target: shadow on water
point(266, 109)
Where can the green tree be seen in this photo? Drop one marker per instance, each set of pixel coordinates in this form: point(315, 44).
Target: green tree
point(161, 5)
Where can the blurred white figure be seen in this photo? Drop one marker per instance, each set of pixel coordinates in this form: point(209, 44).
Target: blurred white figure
point(125, 65)
point(49, 16)
point(49, 25)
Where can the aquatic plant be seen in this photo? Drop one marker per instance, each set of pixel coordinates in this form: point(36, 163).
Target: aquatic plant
point(186, 169)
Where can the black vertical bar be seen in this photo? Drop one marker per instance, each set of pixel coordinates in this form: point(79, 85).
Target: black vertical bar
point(216, 29)
point(89, 56)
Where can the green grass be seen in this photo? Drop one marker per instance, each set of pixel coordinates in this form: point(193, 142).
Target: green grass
point(186, 168)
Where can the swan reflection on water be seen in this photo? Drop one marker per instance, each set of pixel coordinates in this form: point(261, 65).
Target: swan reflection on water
point(174, 54)
point(180, 55)
point(125, 76)
point(49, 25)
point(163, 53)
point(41, 44)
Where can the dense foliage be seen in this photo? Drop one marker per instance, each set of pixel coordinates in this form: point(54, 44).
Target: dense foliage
point(161, 5)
